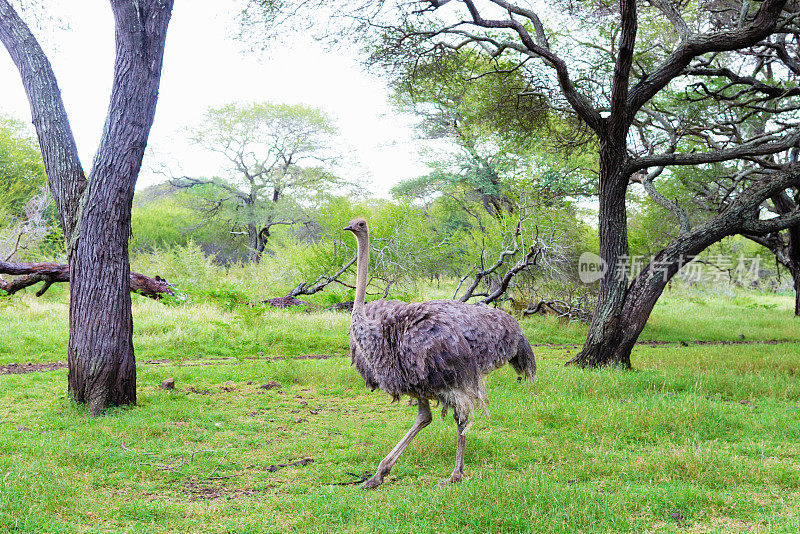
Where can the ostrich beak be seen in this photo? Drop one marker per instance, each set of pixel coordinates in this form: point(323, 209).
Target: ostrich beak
point(348, 227)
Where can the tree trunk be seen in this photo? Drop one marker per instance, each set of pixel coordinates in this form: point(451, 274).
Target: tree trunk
point(102, 368)
point(611, 340)
point(603, 337)
point(796, 277)
point(645, 290)
point(253, 255)
point(257, 239)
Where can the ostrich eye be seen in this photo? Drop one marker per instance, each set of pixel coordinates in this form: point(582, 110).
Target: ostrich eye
point(361, 224)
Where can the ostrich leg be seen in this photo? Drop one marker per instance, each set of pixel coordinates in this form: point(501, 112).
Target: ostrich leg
point(423, 419)
point(458, 470)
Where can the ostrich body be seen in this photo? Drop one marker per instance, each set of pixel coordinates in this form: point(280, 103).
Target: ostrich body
point(438, 350)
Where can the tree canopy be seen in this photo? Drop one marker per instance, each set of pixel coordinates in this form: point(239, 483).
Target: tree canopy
point(278, 159)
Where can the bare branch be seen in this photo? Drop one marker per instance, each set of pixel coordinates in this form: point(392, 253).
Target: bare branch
point(526, 261)
point(669, 10)
point(321, 281)
point(33, 273)
point(760, 146)
point(661, 200)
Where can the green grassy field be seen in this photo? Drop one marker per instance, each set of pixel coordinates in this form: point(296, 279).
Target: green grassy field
point(699, 438)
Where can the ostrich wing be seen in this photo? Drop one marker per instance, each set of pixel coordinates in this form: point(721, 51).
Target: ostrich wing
point(427, 347)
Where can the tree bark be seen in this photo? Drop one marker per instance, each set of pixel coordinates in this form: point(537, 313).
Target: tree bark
point(603, 337)
point(96, 212)
point(640, 298)
point(102, 369)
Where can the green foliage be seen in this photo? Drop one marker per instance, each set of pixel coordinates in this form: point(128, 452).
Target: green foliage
point(503, 127)
point(162, 222)
point(164, 217)
point(21, 168)
point(29, 227)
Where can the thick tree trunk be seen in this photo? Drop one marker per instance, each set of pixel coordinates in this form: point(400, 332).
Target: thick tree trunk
point(647, 287)
point(257, 241)
point(604, 331)
point(610, 341)
point(102, 369)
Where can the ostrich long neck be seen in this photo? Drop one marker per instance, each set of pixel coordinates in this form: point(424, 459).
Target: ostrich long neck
point(362, 267)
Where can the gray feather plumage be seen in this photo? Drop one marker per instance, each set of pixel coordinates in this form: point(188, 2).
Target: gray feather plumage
point(439, 350)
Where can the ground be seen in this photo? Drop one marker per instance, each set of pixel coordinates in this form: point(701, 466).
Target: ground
point(268, 427)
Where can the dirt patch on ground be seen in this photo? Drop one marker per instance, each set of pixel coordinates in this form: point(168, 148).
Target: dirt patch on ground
point(234, 361)
point(199, 492)
point(679, 343)
point(22, 368)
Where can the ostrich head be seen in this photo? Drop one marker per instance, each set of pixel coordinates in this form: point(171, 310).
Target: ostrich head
point(358, 226)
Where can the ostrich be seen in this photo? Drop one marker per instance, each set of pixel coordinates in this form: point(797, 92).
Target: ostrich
point(438, 350)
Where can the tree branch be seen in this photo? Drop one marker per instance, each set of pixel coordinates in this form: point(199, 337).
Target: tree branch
point(49, 273)
point(60, 154)
point(762, 146)
point(764, 23)
point(529, 259)
point(321, 281)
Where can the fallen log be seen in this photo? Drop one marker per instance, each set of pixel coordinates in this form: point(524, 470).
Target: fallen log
point(284, 302)
point(32, 273)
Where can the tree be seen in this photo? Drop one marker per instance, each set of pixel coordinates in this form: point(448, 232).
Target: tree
point(277, 156)
point(614, 78)
point(95, 210)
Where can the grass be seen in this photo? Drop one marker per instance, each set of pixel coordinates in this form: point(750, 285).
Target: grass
point(699, 438)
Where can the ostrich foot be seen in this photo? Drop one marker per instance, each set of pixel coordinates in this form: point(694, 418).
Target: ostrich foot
point(454, 479)
point(371, 483)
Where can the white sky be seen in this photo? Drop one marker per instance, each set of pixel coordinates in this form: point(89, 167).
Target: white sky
point(205, 67)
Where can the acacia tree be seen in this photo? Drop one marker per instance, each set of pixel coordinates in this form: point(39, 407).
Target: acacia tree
point(95, 211)
point(623, 307)
point(614, 67)
point(277, 155)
